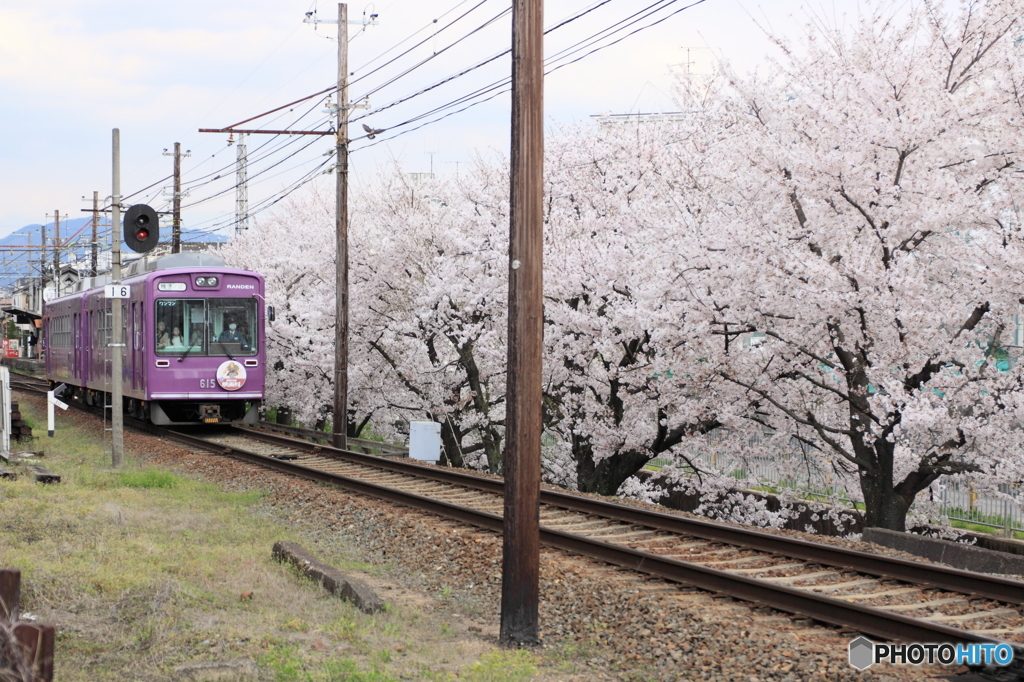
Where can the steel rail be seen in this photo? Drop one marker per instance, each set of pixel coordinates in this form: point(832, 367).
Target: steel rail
point(324, 436)
point(933, 575)
point(868, 620)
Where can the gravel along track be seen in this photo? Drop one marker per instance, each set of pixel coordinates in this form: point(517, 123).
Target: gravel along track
point(961, 609)
point(615, 623)
point(939, 606)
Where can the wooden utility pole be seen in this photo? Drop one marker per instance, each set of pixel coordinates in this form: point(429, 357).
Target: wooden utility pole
point(340, 426)
point(95, 231)
point(520, 586)
point(116, 332)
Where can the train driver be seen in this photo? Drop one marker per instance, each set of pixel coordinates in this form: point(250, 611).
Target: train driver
point(233, 335)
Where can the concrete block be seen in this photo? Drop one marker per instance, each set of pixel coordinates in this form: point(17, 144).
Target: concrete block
point(332, 580)
point(966, 557)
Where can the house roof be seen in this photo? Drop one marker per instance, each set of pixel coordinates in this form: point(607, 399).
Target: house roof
point(21, 316)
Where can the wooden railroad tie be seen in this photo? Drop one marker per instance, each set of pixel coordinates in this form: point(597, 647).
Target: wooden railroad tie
point(42, 474)
point(19, 429)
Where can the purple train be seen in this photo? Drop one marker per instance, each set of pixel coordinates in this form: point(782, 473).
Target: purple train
point(194, 344)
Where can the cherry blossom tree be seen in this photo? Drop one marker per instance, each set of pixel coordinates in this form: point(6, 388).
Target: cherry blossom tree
point(820, 260)
point(433, 292)
point(293, 249)
point(618, 379)
point(864, 200)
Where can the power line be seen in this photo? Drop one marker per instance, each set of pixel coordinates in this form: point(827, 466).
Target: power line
point(562, 55)
point(600, 40)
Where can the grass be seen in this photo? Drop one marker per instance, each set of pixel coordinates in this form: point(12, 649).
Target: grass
point(503, 666)
point(992, 524)
point(144, 569)
point(149, 478)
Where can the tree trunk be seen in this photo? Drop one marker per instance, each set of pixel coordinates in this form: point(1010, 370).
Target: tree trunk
point(883, 507)
point(605, 477)
point(451, 449)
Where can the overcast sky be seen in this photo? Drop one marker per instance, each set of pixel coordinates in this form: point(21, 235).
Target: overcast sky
point(70, 71)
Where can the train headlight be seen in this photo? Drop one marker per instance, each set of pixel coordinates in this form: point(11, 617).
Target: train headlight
point(207, 282)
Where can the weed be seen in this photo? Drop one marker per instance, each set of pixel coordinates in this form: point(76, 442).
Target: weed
point(295, 625)
point(500, 665)
point(148, 478)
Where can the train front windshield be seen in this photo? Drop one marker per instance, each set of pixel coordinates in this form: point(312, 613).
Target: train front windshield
point(206, 326)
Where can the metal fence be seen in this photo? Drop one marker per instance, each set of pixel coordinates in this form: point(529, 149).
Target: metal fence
point(777, 465)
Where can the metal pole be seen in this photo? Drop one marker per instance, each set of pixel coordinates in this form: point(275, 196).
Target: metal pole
point(520, 586)
point(176, 224)
point(340, 425)
point(95, 230)
point(116, 333)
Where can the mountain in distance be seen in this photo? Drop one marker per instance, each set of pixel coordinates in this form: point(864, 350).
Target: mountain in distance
point(77, 234)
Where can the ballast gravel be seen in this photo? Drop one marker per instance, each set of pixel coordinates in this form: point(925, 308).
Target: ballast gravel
point(615, 624)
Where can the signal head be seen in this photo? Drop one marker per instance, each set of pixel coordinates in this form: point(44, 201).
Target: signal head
point(141, 228)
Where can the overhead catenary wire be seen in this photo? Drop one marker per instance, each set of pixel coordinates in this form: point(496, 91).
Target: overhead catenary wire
point(193, 184)
point(606, 37)
point(562, 55)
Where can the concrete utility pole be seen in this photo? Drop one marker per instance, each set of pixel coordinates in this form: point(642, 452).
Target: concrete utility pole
point(56, 253)
point(116, 332)
point(241, 187)
point(35, 293)
point(176, 199)
point(520, 585)
point(42, 264)
point(95, 231)
point(340, 425)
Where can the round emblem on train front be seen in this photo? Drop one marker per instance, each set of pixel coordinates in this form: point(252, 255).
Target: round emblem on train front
point(231, 375)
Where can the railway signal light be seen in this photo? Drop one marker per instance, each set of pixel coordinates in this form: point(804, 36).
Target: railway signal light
point(141, 228)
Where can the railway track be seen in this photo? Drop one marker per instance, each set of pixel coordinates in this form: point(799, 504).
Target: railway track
point(27, 382)
point(884, 597)
point(880, 596)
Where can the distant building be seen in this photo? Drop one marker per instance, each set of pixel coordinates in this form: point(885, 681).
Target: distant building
point(619, 119)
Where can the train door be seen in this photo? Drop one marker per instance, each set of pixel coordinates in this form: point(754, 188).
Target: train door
point(138, 361)
point(76, 348)
point(94, 352)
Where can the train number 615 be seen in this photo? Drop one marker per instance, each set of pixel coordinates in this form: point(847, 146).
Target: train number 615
point(207, 383)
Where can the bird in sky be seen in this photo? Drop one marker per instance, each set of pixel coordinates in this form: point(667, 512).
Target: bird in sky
point(372, 132)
